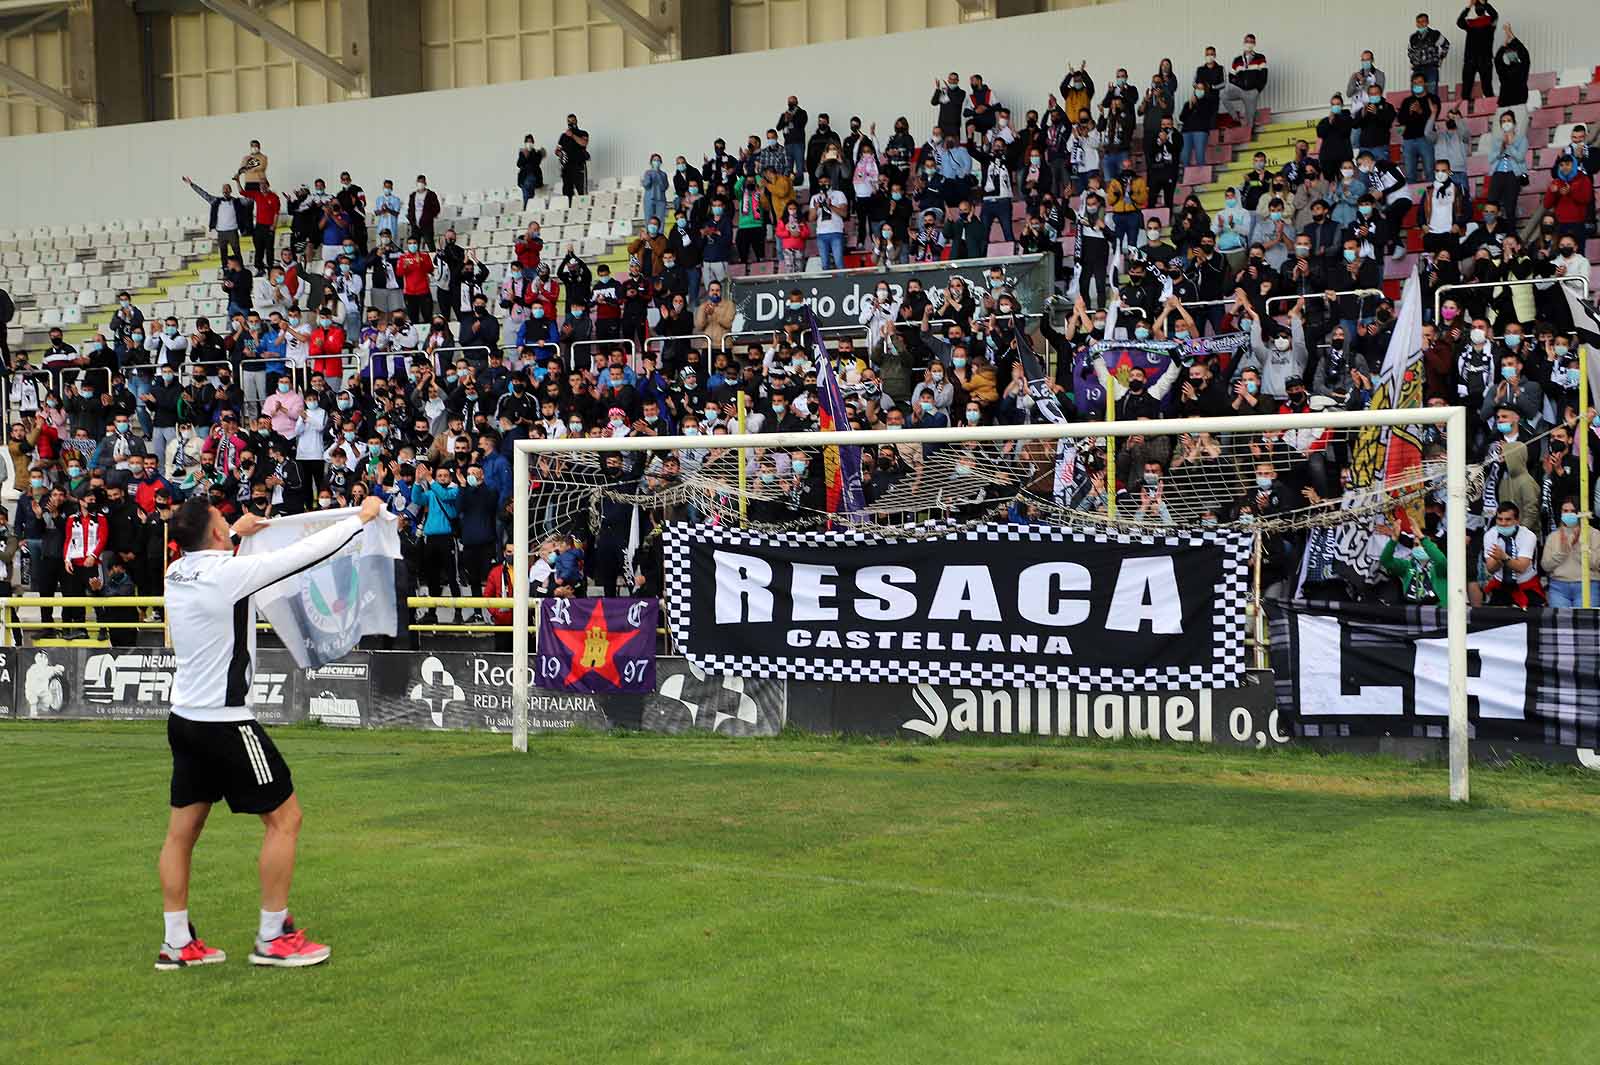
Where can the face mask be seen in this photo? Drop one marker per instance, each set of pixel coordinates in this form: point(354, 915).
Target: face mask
point(1569, 519)
point(1281, 343)
point(1302, 251)
point(768, 478)
point(1508, 372)
point(538, 312)
point(1349, 255)
point(716, 212)
point(1141, 333)
point(1479, 336)
point(1347, 174)
point(1251, 387)
point(1513, 340)
point(1508, 126)
point(1264, 483)
point(1365, 210)
point(122, 427)
point(1503, 427)
point(1230, 201)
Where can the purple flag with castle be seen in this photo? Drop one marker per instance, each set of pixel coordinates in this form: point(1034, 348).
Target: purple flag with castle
point(597, 646)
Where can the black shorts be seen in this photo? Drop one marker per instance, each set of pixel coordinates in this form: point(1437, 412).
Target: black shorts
point(233, 760)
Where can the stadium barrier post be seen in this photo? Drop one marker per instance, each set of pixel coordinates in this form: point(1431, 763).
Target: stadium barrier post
point(519, 608)
point(1455, 515)
point(743, 499)
point(1111, 451)
point(1585, 504)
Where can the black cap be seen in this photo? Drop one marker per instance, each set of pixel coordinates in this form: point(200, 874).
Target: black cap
point(1291, 382)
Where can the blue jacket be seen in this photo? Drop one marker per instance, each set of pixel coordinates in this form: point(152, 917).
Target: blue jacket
point(569, 566)
point(719, 242)
point(497, 475)
point(440, 505)
point(480, 507)
point(537, 331)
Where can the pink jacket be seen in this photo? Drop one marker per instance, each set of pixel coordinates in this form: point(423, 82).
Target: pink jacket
point(793, 238)
point(284, 409)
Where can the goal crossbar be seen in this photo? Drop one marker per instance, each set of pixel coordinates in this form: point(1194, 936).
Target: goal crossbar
point(1452, 419)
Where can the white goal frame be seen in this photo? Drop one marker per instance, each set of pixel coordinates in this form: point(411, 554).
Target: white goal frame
point(1453, 419)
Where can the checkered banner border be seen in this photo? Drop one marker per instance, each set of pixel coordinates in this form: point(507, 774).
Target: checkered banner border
point(1226, 667)
point(1561, 700)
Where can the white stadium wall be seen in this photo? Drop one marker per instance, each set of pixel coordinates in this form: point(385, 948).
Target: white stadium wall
point(467, 138)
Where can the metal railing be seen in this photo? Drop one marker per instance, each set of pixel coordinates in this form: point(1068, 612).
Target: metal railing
point(438, 354)
point(622, 342)
point(10, 620)
point(1361, 292)
point(687, 337)
point(1438, 294)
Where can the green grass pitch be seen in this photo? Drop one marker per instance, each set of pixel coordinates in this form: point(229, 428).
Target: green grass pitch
point(647, 899)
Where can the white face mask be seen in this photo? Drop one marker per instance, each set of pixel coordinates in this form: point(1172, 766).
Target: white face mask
point(1479, 336)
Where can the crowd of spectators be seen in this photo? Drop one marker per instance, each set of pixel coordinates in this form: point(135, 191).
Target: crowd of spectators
point(366, 353)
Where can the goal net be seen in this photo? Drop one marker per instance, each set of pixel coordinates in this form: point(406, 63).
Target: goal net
point(1321, 482)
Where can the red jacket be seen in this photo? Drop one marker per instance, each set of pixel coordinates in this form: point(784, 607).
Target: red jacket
point(1570, 199)
point(416, 272)
point(267, 206)
point(329, 345)
point(90, 530)
point(528, 252)
point(497, 587)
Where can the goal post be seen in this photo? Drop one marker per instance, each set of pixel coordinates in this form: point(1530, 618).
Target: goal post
point(1453, 421)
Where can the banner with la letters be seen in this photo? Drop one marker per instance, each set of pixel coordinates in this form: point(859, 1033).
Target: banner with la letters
point(988, 604)
point(1357, 669)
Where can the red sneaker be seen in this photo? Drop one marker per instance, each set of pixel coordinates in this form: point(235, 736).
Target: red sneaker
point(194, 952)
point(291, 950)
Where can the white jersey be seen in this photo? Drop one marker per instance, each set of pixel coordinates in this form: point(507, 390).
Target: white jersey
point(214, 628)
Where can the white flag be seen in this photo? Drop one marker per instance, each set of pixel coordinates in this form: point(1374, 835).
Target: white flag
point(322, 612)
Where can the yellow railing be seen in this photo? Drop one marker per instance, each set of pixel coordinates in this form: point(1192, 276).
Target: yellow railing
point(94, 605)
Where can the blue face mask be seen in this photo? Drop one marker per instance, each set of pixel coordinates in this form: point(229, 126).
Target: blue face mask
point(1251, 387)
point(1513, 340)
point(1508, 372)
point(895, 196)
point(1504, 428)
point(1417, 90)
point(1365, 210)
point(652, 229)
point(538, 312)
point(1141, 333)
point(1349, 255)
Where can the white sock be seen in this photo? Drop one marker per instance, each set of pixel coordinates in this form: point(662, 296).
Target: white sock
point(177, 928)
point(272, 925)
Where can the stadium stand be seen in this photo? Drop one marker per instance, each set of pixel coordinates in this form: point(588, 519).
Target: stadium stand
point(381, 389)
